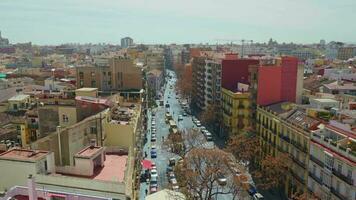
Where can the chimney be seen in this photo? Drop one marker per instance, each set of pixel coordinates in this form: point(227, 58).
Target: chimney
point(32, 194)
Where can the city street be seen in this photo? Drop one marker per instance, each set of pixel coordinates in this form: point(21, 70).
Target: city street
point(162, 130)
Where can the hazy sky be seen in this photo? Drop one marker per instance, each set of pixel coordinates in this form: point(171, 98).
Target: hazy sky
point(179, 21)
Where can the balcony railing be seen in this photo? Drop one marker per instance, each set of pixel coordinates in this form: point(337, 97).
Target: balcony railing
point(316, 178)
point(301, 180)
point(303, 165)
point(299, 146)
point(348, 180)
point(317, 161)
point(338, 194)
point(286, 138)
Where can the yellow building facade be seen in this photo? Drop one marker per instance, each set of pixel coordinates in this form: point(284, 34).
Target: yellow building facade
point(236, 111)
point(284, 129)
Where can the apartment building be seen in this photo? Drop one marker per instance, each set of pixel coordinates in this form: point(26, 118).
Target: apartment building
point(332, 165)
point(206, 81)
point(212, 82)
point(198, 86)
point(345, 53)
point(126, 42)
point(121, 74)
point(284, 128)
point(155, 59)
point(236, 111)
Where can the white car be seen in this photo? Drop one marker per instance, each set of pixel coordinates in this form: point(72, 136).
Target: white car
point(154, 173)
point(198, 124)
point(258, 196)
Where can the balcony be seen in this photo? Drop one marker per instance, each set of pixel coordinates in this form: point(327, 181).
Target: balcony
point(301, 180)
point(299, 146)
point(286, 138)
point(298, 162)
point(316, 178)
point(348, 180)
point(338, 194)
point(317, 161)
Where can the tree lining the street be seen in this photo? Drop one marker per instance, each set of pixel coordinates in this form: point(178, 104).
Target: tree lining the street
point(199, 175)
point(184, 80)
point(211, 115)
point(269, 172)
point(184, 141)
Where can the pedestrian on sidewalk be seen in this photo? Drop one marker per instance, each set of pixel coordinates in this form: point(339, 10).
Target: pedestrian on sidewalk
point(146, 191)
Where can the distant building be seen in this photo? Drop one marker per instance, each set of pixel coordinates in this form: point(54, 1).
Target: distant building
point(345, 53)
point(155, 81)
point(324, 103)
point(19, 102)
point(126, 42)
point(121, 74)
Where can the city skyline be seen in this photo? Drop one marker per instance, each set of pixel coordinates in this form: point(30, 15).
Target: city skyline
point(158, 21)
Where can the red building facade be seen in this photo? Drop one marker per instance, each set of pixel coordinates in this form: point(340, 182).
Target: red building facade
point(278, 83)
point(235, 71)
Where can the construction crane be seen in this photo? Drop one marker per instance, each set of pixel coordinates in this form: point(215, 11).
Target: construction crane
point(231, 41)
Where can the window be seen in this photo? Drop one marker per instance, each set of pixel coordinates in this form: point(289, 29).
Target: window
point(314, 169)
point(93, 130)
point(337, 186)
point(92, 74)
point(329, 161)
point(64, 118)
point(93, 83)
point(109, 73)
point(81, 83)
point(45, 165)
point(339, 167)
point(349, 172)
point(104, 73)
point(81, 75)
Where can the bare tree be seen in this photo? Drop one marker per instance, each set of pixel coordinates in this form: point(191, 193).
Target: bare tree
point(245, 148)
point(201, 173)
point(184, 141)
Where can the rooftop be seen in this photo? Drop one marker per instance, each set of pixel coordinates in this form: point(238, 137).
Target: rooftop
point(23, 155)
point(93, 100)
point(301, 119)
point(336, 86)
point(113, 170)
point(19, 97)
point(89, 152)
point(326, 100)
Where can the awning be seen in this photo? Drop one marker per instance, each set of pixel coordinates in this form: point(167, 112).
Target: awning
point(146, 164)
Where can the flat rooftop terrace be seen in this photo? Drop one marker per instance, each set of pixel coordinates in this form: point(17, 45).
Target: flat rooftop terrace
point(113, 170)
